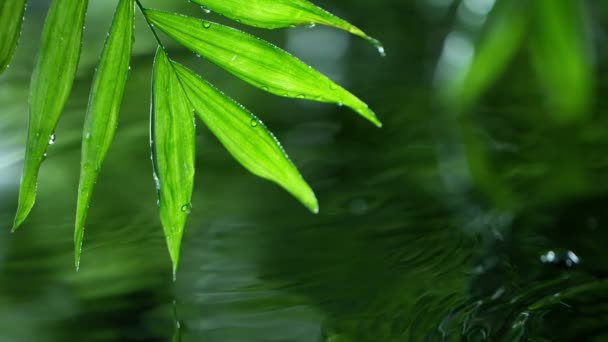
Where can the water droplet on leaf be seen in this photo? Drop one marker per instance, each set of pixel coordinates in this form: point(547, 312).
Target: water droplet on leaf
point(254, 123)
point(52, 139)
point(187, 208)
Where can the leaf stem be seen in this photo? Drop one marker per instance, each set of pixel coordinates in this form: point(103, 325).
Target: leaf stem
point(150, 25)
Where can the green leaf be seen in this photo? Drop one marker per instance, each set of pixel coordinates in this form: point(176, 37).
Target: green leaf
point(173, 152)
point(52, 80)
point(273, 14)
point(500, 40)
point(102, 112)
point(11, 18)
point(255, 61)
point(561, 56)
point(244, 136)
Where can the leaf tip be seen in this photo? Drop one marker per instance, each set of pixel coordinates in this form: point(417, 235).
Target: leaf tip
point(371, 116)
point(377, 44)
point(77, 250)
point(312, 204)
point(77, 262)
point(174, 249)
point(174, 264)
point(19, 218)
point(27, 194)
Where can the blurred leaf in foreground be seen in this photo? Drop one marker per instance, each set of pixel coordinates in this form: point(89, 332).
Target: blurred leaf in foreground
point(102, 113)
point(52, 80)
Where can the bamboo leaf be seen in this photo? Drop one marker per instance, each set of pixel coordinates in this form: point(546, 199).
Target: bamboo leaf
point(273, 14)
point(255, 61)
point(11, 19)
point(244, 136)
point(102, 112)
point(52, 80)
point(173, 152)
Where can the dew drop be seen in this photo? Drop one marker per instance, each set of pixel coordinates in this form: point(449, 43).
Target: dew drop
point(205, 9)
point(52, 139)
point(333, 86)
point(311, 25)
point(206, 24)
point(381, 51)
point(254, 122)
point(563, 258)
point(87, 136)
point(187, 208)
point(340, 104)
point(301, 96)
point(264, 88)
point(376, 43)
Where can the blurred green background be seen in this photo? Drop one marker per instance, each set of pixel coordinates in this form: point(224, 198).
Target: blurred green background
point(477, 213)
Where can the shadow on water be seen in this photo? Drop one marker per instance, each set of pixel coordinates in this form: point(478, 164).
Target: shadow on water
point(438, 227)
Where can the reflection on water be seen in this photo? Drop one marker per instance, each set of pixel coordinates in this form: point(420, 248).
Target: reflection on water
point(482, 227)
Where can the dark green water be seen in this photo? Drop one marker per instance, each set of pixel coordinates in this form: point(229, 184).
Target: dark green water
point(484, 226)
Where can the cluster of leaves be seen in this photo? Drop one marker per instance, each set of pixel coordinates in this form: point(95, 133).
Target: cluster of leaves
point(177, 94)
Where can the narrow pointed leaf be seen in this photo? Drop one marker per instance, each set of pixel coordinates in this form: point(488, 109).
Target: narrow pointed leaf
point(244, 136)
point(51, 84)
point(102, 112)
point(11, 19)
point(173, 151)
point(256, 61)
point(273, 14)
